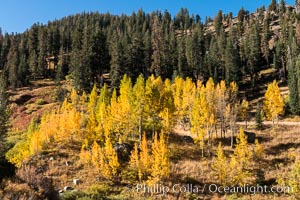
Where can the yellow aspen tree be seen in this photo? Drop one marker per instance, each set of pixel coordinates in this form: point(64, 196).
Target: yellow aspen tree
point(168, 108)
point(199, 118)
point(125, 108)
point(273, 103)
point(177, 88)
point(233, 92)
point(139, 102)
point(231, 113)
point(160, 164)
point(221, 101)
point(188, 97)
point(221, 166)
point(22, 150)
point(145, 158)
point(111, 159)
point(258, 150)
point(102, 114)
point(211, 107)
point(241, 160)
point(135, 162)
point(104, 95)
point(85, 157)
point(96, 156)
point(114, 116)
point(74, 97)
point(243, 110)
point(153, 91)
point(103, 128)
point(92, 121)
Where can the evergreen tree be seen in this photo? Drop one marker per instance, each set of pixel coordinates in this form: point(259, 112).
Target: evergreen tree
point(294, 84)
point(116, 68)
point(232, 61)
point(255, 53)
point(4, 114)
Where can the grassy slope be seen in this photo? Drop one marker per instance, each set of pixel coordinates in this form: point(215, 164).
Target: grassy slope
point(187, 164)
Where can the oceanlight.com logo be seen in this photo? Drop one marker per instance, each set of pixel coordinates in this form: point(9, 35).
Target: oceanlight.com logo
point(159, 189)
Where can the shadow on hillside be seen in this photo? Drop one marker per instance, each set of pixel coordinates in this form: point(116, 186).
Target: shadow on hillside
point(23, 99)
point(282, 147)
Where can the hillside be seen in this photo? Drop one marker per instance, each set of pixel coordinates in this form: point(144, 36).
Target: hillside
point(151, 106)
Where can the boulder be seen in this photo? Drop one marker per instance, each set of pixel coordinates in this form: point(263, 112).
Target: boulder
point(76, 181)
point(123, 151)
point(66, 188)
point(250, 137)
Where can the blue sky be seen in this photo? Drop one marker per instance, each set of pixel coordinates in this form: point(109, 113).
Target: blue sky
point(18, 15)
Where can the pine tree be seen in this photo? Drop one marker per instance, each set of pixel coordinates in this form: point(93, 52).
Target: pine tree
point(232, 72)
point(255, 53)
point(4, 113)
point(293, 83)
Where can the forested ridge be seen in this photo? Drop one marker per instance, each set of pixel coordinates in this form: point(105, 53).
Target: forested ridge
point(87, 45)
point(152, 99)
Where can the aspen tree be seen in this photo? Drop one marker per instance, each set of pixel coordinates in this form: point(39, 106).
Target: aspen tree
point(240, 160)
point(199, 118)
point(111, 159)
point(258, 150)
point(273, 103)
point(177, 88)
point(221, 166)
point(243, 110)
point(160, 164)
point(139, 102)
point(114, 115)
point(125, 107)
point(210, 99)
point(221, 101)
point(168, 109)
point(92, 121)
point(135, 162)
point(145, 158)
point(153, 91)
point(188, 97)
